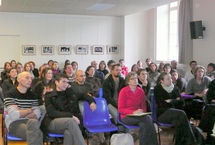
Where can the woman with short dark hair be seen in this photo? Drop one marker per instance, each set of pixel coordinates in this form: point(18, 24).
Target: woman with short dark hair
point(11, 82)
point(178, 81)
point(95, 82)
point(102, 67)
point(132, 101)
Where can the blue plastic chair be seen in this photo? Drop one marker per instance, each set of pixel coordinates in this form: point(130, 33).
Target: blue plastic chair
point(100, 93)
point(129, 127)
point(97, 121)
point(153, 106)
point(10, 137)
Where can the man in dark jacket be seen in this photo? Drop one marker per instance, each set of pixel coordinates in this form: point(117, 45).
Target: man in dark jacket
point(63, 115)
point(111, 88)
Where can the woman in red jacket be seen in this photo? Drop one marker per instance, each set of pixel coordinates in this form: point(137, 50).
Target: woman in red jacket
point(132, 101)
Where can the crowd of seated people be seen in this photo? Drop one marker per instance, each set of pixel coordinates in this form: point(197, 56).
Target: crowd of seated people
point(167, 81)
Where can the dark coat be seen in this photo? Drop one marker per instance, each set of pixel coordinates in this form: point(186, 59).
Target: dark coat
point(63, 104)
point(161, 95)
point(211, 92)
point(108, 89)
point(8, 85)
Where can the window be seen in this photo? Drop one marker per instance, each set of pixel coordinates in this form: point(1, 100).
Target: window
point(167, 32)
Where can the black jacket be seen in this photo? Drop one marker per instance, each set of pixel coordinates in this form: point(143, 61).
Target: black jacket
point(108, 89)
point(211, 92)
point(161, 95)
point(63, 104)
point(8, 85)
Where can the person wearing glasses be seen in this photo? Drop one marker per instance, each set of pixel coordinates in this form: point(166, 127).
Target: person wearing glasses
point(132, 101)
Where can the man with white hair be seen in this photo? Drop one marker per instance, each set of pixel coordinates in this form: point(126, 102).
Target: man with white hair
point(22, 111)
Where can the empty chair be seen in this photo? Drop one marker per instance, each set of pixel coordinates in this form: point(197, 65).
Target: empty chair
point(97, 121)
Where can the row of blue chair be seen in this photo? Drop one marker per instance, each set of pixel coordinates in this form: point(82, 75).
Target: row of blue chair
point(94, 121)
point(99, 121)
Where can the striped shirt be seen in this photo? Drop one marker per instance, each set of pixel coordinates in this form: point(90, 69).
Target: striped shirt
point(23, 101)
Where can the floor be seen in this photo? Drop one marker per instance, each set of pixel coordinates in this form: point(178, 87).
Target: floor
point(166, 137)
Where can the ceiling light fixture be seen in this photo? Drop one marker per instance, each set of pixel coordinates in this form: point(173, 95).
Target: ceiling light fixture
point(100, 7)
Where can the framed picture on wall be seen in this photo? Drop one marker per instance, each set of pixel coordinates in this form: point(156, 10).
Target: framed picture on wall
point(82, 49)
point(28, 49)
point(113, 49)
point(47, 49)
point(64, 49)
point(98, 49)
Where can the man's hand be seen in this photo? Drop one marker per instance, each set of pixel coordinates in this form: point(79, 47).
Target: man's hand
point(76, 119)
point(93, 106)
point(32, 116)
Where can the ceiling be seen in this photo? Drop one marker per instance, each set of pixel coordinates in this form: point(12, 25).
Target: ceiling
point(81, 7)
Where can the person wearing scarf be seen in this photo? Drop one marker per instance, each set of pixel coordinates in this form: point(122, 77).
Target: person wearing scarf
point(169, 110)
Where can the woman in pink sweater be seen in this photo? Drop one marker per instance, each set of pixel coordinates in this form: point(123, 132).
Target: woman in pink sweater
point(132, 101)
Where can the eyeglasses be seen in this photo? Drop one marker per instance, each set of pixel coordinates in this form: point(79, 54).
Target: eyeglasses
point(133, 78)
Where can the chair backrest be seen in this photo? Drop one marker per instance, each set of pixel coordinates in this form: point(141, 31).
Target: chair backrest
point(153, 106)
point(97, 117)
point(100, 93)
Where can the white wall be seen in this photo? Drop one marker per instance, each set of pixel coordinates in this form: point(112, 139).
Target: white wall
point(136, 38)
point(19, 29)
point(204, 49)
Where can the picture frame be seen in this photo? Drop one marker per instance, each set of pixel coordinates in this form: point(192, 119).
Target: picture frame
point(82, 49)
point(47, 49)
point(112, 49)
point(98, 49)
point(64, 49)
point(28, 49)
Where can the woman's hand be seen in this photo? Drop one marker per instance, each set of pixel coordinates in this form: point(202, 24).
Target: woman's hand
point(138, 111)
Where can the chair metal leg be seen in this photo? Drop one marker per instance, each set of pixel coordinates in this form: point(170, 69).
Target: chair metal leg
point(159, 137)
point(3, 125)
point(87, 137)
point(5, 137)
